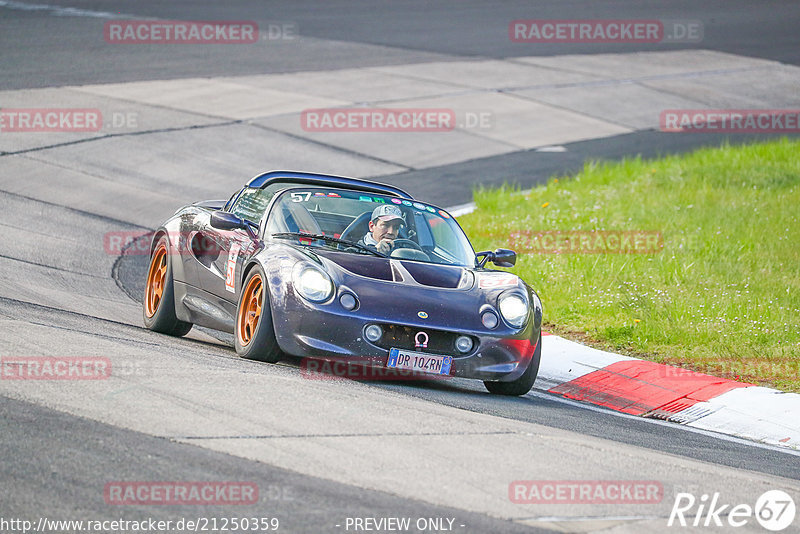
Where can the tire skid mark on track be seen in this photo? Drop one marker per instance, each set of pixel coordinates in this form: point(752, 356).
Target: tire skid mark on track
point(76, 211)
point(53, 267)
point(120, 270)
point(351, 435)
point(125, 134)
point(26, 310)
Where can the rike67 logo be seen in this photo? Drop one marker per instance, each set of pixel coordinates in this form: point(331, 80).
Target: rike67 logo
point(774, 510)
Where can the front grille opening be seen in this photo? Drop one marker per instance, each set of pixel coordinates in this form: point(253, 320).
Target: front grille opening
point(439, 342)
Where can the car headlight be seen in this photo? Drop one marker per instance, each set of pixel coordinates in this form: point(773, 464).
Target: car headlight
point(312, 283)
point(514, 309)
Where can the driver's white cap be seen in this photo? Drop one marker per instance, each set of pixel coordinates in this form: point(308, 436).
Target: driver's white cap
point(386, 212)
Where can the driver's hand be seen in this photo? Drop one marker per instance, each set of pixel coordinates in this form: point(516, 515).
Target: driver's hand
point(385, 246)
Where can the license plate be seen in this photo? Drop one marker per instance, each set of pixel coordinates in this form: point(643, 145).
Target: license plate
point(419, 361)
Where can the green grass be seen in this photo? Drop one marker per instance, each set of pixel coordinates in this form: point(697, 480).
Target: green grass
point(723, 294)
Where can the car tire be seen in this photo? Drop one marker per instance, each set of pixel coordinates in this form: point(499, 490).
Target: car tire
point(524, 383)
point(158, 305)
point(254, 335)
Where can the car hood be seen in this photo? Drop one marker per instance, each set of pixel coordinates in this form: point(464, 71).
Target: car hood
point(401, 271)
point(406, 292)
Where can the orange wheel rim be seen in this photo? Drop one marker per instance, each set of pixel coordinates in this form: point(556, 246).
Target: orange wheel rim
point(250, 310)
point(156, 278)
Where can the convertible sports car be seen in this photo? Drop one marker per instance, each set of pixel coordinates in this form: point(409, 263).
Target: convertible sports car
point(338, 268)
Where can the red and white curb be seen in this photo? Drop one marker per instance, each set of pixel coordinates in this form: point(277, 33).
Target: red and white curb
point(653, 390)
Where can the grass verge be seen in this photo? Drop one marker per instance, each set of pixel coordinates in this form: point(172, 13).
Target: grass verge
point(704, 272)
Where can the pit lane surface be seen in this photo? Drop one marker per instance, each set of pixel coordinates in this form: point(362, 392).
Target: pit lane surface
point(188, 409)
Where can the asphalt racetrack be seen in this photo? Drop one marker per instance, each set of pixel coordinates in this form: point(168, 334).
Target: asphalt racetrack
point(187, 122)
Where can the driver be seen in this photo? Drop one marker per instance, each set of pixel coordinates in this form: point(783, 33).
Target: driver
point(383, 228)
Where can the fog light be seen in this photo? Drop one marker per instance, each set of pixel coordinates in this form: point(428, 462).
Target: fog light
point(373, 332)
point(489, 319)
point(347, 301)
point(464, 344)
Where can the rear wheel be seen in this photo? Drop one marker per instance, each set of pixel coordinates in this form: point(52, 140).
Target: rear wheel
point(524, 383)
point(158, 306)
point(255, 333)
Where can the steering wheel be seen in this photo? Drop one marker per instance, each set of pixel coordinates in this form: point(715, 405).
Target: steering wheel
point(405, 243)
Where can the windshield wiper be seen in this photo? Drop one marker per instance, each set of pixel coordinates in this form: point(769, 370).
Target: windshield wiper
point(330, 239)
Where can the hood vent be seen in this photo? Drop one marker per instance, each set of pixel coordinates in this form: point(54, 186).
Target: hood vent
point(443, 276)
point(409, 272)
point(363, 265)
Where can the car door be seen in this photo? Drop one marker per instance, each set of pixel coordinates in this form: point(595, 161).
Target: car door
point(205, 245)
point(215, 253)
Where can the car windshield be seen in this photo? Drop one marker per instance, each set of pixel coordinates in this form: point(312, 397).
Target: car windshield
point(340, 219)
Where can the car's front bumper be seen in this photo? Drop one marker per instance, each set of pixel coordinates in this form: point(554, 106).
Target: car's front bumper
point(328, 331)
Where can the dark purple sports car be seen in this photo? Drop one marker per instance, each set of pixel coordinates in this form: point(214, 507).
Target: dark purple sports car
point(336, 268)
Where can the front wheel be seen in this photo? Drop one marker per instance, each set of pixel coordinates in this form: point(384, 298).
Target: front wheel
point(524, 383)
point(255, 333)
point(158, 306)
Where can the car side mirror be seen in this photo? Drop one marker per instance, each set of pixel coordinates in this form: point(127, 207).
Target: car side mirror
point(502, 257)
point(223, 220)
